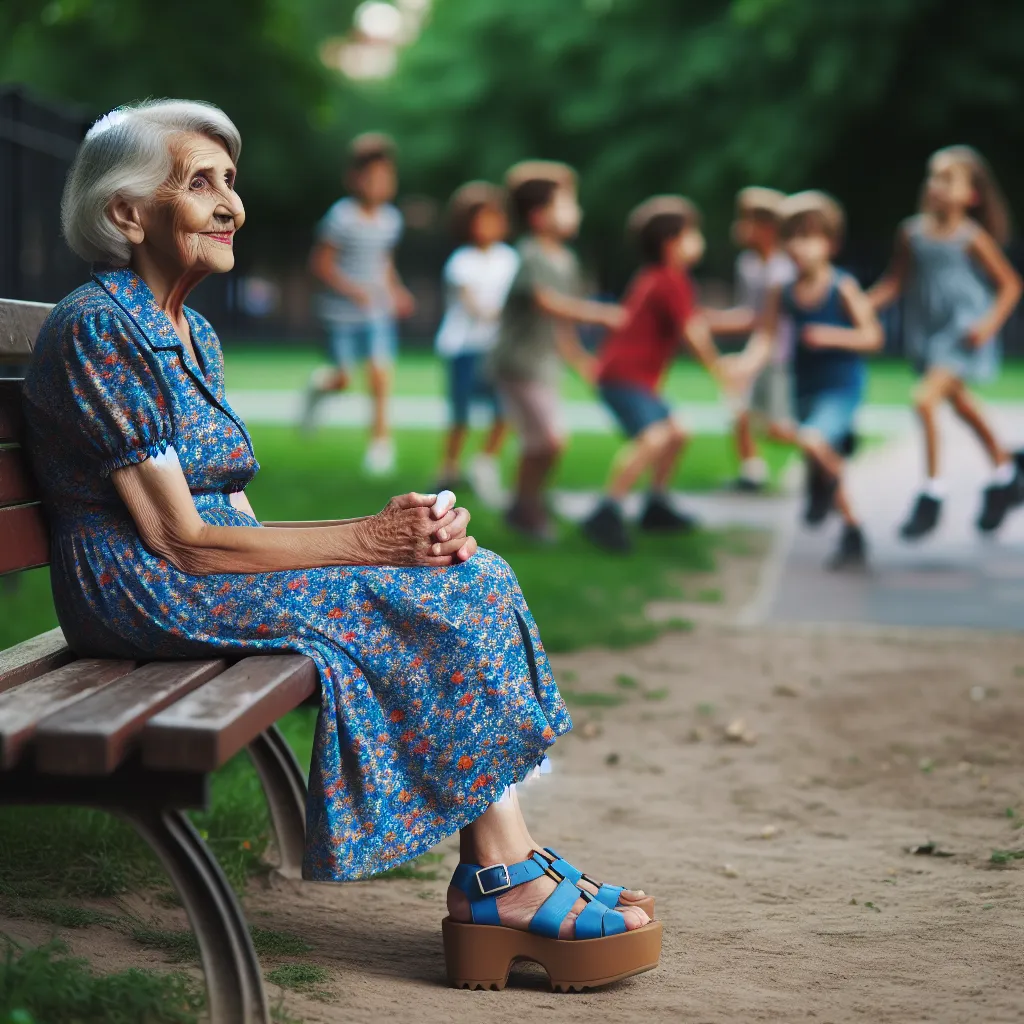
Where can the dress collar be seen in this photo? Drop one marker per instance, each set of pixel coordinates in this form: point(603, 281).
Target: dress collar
point(133, 295)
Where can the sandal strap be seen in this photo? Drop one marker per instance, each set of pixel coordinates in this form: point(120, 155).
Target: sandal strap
point(598, 920)
point(607, 894)
point(482, 885)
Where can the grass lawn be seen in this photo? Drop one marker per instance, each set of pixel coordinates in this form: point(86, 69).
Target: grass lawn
point(420, 373)
point(49, 859)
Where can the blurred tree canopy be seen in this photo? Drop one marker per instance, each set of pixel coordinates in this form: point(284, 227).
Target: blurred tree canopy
point(255, 58)
point(642, 96)
point(705, 96)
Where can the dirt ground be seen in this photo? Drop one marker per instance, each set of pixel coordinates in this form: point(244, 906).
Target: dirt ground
point(779, 861)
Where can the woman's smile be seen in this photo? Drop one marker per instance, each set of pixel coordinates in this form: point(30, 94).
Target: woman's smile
point(224, 237)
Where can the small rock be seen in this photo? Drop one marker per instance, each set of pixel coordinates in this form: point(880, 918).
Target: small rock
point(729, 871)
point(786, 690)
point(978, 694)
point(984, 781)
point(590, 730)
point(612, 759)
point(695, 735)
point(735, 730)
point(769, 831)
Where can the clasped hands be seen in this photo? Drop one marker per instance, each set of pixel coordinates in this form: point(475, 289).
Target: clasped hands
point(418, 530)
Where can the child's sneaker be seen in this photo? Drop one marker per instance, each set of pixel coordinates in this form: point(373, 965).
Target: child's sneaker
point(484, 475)
point(379, 459)
point(606, 528)
point(852, 551)
point(318, 388)
point(660, 515)
point(923, 519)
point(998, 499)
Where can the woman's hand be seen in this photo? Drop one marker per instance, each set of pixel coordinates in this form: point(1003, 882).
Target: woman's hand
point(417, 529)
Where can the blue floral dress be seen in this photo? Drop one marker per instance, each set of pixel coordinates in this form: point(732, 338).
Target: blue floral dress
point(435, 689)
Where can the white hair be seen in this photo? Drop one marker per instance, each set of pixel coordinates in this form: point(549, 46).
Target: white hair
point(127, 153)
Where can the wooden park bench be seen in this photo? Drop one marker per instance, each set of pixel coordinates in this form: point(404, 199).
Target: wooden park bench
point(140, 739)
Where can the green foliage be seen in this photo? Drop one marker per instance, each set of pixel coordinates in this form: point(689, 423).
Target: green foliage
point(298, 976)
point(43, 985)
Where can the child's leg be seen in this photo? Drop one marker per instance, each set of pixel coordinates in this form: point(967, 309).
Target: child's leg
point(460, 390)
point(935, 387)
point(654, 448)
point(495, 439)
point(669, 456)
point(968, 410)
point(533, 406)
point(382, 343)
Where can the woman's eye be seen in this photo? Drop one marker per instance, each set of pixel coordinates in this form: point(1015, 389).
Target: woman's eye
point(197, 183)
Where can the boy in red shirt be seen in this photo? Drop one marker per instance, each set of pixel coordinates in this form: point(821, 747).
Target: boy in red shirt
point(661, 315)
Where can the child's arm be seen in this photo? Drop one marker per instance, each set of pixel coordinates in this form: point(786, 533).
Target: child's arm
point(865, 335)
point(756, 353)
point(567, 342)
point(405, 304)
point(889, 287)
point(324, 266)
point(1008, 287)
point(737, 320)
point(578, 311)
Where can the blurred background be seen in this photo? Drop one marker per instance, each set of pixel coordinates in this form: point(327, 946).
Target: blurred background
point(641, 96)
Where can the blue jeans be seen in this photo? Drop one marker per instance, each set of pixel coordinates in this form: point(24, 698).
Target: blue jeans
point(375, 341)
point(466, 382)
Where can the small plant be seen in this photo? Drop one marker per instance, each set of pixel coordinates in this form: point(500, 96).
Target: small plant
point(419, 869)
point(591, 699)
point(656, 694)
point(180, 946)
point(626, 682)
point(271, 943)
point(301, 977)
point(1006, 856)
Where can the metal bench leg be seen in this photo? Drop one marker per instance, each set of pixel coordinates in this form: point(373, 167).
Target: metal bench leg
point(285, 788)
point(233, 981)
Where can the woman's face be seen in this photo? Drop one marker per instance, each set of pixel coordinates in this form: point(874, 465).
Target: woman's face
point(191, 220)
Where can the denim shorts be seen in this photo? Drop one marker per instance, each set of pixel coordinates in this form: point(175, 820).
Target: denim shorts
point(829, 413)
point(635, 407)
point(375, 341)
point(467, 382)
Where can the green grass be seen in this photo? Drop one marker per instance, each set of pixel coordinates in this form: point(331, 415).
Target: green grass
point(283, 367)
point(44, 985)
point(301, 977)
point(180, 945)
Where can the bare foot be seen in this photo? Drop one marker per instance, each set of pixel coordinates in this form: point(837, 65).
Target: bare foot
point(517, 907)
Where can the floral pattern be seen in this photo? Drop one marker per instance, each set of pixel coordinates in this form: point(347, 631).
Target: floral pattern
point(435, 689)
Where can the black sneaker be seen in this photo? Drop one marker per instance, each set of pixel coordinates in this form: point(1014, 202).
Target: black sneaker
point(996, 501)
point(660, 515)
point(849, 445)
point(821, 495)
point(745, 485)
point(923, 519)
point(852, 552)
point(606, 528)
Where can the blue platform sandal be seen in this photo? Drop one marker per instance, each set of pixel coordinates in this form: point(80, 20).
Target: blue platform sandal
point(481, 954)
point(609, 895)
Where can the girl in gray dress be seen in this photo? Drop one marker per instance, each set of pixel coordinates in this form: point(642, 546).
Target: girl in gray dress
point(958, 290)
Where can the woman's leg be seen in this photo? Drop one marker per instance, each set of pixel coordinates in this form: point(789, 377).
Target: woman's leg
point(499, 836)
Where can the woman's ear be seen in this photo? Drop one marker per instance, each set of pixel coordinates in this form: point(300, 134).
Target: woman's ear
point(127, 220)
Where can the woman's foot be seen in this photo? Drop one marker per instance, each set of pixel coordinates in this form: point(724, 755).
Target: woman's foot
point(626, 897)
point(517, 907)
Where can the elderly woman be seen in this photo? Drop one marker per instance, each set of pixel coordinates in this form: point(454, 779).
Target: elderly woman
point(436, 695)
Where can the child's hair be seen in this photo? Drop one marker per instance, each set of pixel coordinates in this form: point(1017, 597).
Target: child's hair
point(821, 209)
point(759, 203)
point(370, 148)
point(467, 201)
point(659, 219)
point(532, 184)
point(991, 210)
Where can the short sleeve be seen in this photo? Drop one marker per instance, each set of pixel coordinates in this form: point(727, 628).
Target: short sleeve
point(397, 225)
point(117, 404)
point(676, 293)
point(457, 271)
point(333, 225)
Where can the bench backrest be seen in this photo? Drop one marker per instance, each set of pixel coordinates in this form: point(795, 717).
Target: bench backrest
point(24, 540)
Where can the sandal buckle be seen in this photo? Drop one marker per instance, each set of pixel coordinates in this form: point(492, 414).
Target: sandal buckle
point(507, 884)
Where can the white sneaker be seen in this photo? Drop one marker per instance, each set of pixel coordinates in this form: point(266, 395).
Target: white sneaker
point(379, 459)
point(317, 389)
point(484, 474)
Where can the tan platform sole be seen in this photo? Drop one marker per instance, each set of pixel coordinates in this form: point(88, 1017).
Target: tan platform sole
point(481, 956)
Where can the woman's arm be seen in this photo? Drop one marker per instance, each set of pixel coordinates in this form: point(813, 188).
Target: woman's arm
point(865, 335)
point(1008, 287)
point(403, 533)
point(239, 500)
point(889, 287)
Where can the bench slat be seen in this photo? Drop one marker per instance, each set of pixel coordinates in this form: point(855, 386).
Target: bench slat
point(16, 483)
point(11, 423)
point(33, 657)
point(94, 735)
point(24, 706)
point(19, 328)
point(210, 725)
point(24, 538)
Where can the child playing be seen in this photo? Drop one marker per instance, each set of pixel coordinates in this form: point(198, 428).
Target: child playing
point(834, 326)
point(477, 278)
point(958, 290)
point(353, 259)
point(537, 335)
point(760, 267)
point(660, 313)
